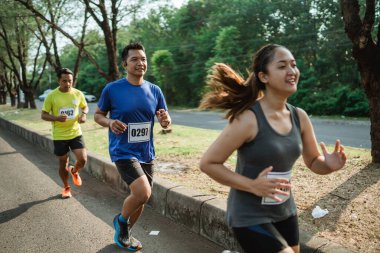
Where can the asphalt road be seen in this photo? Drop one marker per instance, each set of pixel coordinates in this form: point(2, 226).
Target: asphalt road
point(351, 133)
point(33, 217)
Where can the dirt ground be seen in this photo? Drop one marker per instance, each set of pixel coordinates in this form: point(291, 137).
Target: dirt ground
point(351, 196)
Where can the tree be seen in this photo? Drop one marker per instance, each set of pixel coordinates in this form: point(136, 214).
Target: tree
point(107, 14)
point(47, 34)
point(108, 23)
point(35, 11)
point(162, 61)
point(226, 49)
point(17, 43)
point(366, 52)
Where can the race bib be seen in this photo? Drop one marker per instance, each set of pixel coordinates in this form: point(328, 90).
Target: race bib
point(138, 132)
point(68, 111)
point(270, 201)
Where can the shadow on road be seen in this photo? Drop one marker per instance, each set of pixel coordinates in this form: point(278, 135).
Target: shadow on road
point(14, 212)
point(47, 163)
point(113, 248)
point(9, 153)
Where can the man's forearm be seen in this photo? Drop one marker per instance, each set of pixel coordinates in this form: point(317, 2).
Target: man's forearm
point(102, 120)
point(48, 117)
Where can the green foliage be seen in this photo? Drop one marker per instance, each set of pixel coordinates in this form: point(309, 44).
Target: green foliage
point(225, 49)
point(88, 77)
point(162, 61)
point(356, 103)
point(182, 44)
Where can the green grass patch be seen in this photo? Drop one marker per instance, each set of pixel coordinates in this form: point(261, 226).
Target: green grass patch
point(182, 141)
point(189, 143)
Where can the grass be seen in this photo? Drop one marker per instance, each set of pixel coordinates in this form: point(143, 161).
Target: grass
point(185, 142)
point(182, 142)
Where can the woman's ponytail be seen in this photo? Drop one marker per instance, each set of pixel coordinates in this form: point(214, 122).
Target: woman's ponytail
point(229, 91)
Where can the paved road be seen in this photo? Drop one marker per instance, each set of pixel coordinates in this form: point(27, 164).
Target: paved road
point(33, 217)
point(354, 134)
point(351, 133)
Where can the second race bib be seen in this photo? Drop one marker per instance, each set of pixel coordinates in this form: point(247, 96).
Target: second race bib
point(68, 111)
point(270, 201)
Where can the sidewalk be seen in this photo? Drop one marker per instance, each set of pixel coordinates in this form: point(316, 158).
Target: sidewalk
point(202, 214)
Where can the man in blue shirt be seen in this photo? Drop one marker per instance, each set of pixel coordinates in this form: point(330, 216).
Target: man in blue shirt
point(132, 104)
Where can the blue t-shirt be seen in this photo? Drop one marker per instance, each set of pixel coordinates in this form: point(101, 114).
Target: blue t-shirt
point(136, 106)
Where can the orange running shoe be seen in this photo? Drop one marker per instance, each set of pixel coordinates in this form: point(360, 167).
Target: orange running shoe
point(76, 178)
point(66, 192)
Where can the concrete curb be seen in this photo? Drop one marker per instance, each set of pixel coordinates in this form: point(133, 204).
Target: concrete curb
point(203, 214)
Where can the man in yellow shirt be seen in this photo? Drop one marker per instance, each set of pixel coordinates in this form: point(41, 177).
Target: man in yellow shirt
point(66, 108)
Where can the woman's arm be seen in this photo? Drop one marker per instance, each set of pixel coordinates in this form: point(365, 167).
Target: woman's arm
point(319, 164)
point(241, 130)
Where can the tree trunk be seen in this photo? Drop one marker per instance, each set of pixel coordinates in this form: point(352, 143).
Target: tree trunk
point(369, 66)
point(113, 69)
point(3, 97)
point(13, 100)
point(367, 54)
point(29, 100)
point(374, 105)
point(18, 100)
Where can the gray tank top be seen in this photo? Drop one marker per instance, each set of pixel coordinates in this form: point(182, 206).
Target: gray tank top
point(269, 148)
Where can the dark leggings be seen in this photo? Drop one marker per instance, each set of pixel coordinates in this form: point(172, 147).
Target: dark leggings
point(269, 237)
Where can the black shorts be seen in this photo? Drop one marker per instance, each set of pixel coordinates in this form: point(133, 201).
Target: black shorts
point(269, 237)
point(132, 169)
point(62, 147)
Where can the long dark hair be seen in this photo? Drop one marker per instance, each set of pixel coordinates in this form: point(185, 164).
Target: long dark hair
point(229, 91)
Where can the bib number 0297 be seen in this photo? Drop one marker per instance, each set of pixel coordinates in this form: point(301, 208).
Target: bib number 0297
point(138, 132)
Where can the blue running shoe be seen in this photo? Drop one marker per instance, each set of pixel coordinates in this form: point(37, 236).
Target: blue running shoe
point(122, 236)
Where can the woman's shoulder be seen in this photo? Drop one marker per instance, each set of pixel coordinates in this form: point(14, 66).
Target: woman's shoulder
point(300, 112)
point(247, 119)
point(246, 124)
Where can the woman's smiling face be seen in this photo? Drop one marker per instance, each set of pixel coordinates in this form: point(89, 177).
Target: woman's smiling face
point(282, 72)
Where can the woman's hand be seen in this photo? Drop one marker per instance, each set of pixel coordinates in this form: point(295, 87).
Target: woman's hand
point(270, 187)
point(335, 160)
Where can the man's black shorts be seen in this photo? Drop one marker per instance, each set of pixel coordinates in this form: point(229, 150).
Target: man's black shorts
point(62, 147)
point(132, 169)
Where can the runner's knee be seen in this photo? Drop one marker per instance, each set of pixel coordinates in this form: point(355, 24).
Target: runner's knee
point(63, 159)
point(140, 189)
point(81, 162)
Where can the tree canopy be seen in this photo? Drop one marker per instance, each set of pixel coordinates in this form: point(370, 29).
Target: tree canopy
point(200, 33)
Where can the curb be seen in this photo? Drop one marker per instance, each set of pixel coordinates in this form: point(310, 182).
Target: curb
point(203, 214)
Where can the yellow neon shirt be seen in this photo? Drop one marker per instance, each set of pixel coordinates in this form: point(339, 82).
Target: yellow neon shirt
point(57, 103)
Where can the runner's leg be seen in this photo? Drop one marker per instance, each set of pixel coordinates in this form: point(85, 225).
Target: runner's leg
point(134, 204)
point(77, 146)
point(63, 173)
point(81, 159)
